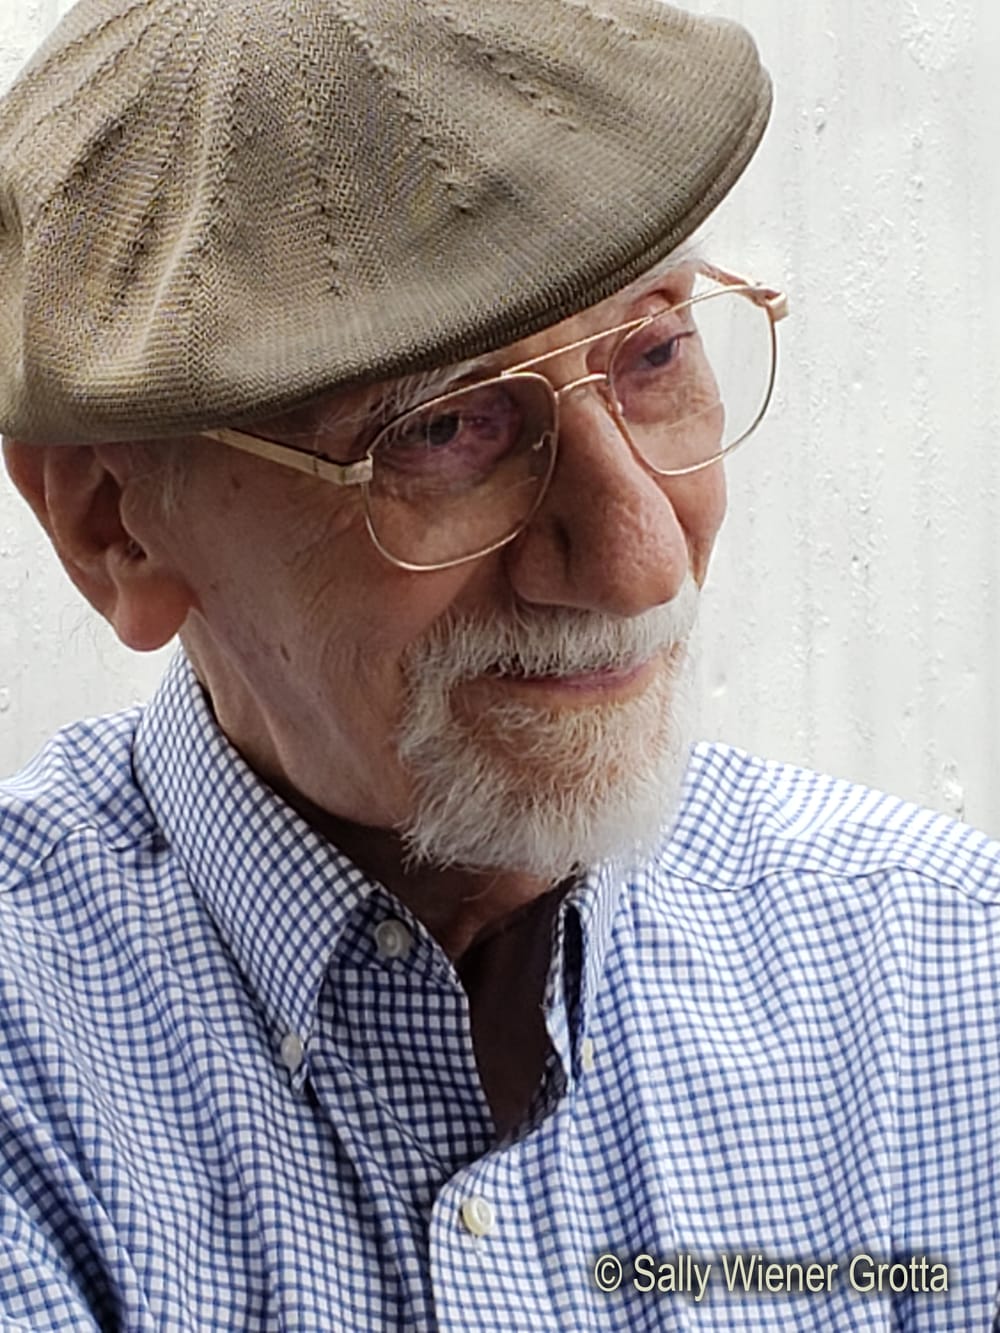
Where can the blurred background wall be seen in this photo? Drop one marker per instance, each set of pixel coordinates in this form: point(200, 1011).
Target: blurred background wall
point(851, 622)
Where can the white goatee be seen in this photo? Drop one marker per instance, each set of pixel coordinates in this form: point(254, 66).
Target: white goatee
point(536, 789)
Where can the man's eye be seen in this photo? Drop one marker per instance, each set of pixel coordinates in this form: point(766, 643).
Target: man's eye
point(441, 430)
point(438, 431)
point(468, 435)
point(661, 354)
point(480, 420)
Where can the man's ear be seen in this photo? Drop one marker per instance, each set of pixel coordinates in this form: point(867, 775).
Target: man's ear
point(77, 492)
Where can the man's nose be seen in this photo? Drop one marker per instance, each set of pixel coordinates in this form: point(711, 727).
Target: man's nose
point(611, 535)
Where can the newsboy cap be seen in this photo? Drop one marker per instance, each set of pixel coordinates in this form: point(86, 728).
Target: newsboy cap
point(212, 210)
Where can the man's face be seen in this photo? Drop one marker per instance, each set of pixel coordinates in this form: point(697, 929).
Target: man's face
point(509, 712)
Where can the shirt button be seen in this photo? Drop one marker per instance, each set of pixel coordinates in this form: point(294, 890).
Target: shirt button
point(292, 1050)
point(587, 1055)
point(478, 1217)
point(392, 939)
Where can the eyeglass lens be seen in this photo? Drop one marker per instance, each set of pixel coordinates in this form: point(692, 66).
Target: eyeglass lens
point(464, 472)
point(693, 382)
point(459, 475)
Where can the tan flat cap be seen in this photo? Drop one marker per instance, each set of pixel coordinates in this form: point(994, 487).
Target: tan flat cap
point(212, 210)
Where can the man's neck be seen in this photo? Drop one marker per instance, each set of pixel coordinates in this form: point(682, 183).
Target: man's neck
point(461, 908)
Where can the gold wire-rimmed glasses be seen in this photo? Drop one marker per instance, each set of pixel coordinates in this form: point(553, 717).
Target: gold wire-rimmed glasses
point(462, 474)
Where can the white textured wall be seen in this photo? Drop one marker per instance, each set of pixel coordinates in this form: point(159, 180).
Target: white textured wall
point(851, 623)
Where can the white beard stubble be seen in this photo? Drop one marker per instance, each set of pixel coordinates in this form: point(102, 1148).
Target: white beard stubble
point(543, 790)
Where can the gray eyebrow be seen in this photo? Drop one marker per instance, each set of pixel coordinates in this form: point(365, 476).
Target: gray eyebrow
point(398, 396)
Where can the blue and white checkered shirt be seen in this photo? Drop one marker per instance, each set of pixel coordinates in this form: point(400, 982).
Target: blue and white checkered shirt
point(238, 1089)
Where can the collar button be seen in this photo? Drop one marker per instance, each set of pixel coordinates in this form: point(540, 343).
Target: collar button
point(392, 940)
point(478, 1217)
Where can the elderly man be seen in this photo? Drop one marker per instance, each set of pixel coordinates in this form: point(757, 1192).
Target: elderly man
point(396, 967)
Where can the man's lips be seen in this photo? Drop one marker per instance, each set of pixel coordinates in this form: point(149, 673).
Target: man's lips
point(596, 681)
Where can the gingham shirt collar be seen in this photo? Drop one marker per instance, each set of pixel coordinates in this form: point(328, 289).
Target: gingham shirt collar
point(279, 893)
point(282, 896)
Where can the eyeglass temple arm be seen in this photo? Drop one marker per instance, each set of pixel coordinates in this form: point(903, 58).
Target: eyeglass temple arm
point(341, 474)
point(772, 300)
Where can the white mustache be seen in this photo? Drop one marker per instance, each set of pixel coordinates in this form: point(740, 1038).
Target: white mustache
point(552, 641)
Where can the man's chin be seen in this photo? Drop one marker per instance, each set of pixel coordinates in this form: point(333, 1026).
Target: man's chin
point(538, 786)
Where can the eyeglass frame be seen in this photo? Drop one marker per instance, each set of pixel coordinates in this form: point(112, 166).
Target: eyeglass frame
point(772, 300)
